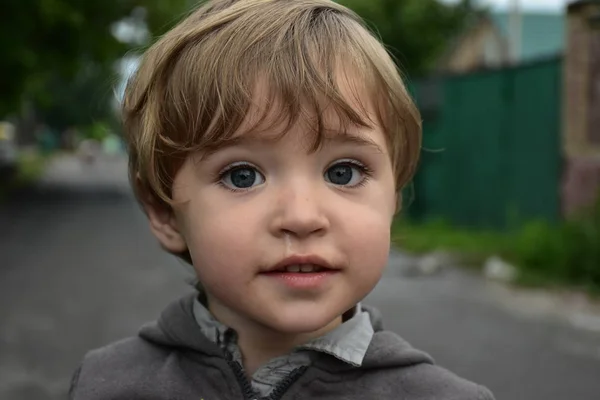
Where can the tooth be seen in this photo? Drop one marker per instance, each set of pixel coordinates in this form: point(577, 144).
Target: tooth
point(293, 268)
point(307, 268)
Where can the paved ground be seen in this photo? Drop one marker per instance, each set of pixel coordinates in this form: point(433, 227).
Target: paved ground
point(78, 269)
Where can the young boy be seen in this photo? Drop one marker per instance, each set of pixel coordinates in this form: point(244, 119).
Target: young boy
point(269, 141)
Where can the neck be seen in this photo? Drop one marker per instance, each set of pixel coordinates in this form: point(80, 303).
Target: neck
point(258, 343)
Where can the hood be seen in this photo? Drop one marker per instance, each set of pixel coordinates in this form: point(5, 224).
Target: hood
point(387, 349)
point(177, 328)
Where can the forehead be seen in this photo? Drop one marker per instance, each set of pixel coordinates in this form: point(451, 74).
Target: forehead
point(349, 110)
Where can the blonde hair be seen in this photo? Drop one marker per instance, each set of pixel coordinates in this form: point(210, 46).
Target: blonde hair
point(194, 86)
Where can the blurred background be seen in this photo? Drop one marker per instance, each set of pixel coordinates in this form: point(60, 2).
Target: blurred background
point(496, 263)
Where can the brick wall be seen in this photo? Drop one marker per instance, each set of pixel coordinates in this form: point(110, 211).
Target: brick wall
point(581, 180)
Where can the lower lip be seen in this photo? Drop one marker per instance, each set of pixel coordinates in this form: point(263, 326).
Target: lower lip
point(302, 280)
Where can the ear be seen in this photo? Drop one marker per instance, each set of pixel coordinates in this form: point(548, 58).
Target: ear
point(163, 225)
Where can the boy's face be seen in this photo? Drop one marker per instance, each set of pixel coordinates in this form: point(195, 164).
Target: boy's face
point(250, 210)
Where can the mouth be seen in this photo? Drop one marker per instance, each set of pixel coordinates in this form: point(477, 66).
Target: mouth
point(301, 264)
point(302, 273)
point(301, 268)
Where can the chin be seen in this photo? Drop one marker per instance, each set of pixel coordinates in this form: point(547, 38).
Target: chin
point(303, 320)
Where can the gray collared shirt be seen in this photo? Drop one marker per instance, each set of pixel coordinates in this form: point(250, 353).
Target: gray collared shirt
point(348, 342)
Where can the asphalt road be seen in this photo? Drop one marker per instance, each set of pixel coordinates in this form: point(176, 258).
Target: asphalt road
point(78, 269)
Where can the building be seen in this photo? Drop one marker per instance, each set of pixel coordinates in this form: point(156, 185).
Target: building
point(487, 41)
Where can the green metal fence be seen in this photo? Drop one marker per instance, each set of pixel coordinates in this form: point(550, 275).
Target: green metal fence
point(491, 153)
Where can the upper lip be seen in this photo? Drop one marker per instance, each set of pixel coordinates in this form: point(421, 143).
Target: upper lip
point(301, 259)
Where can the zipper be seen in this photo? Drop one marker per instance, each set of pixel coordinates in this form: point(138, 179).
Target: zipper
point(247, 390)
point(283, 387)
point(245, 384)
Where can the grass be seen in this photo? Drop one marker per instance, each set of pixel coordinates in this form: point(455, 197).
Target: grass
point(564, 255)
point(473, 247)
point(30, 166)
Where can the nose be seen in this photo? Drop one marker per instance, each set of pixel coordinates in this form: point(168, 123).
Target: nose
point(300, 212)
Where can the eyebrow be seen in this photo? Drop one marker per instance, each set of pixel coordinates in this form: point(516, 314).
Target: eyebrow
point(357, 139)
point(333, 136)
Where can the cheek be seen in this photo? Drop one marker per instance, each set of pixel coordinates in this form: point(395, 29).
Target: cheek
point(221, 239)
point(221, 235)
point(368, 240)
point(369, 233)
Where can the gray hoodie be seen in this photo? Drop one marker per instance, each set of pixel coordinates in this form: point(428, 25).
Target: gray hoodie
point(172, 360)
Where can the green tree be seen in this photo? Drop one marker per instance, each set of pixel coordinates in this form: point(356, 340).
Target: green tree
point(44, 41)
point(415, 31)
point(85, 98)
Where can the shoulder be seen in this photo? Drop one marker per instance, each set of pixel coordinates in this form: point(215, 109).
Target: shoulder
point(434, 382)
point(423, 382)
point(125, 353)
point(392, 363)
point(111, 372)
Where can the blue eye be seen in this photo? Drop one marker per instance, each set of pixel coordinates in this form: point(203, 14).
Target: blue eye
point(346, 173)
point(242, 176)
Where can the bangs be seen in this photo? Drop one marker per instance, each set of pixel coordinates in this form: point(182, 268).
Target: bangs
point(293, 76)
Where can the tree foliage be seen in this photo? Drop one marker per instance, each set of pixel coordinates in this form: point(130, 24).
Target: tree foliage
point(60, 54)
point(45, 41)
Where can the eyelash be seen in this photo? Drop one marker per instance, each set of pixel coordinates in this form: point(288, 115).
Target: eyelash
point(363, 168)
point(232, 167)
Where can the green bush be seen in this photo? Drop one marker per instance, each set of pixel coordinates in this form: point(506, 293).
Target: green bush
point(567, 252)
point(474, 246)
point(539, 247)
point(29, 168)
point(97, 131)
